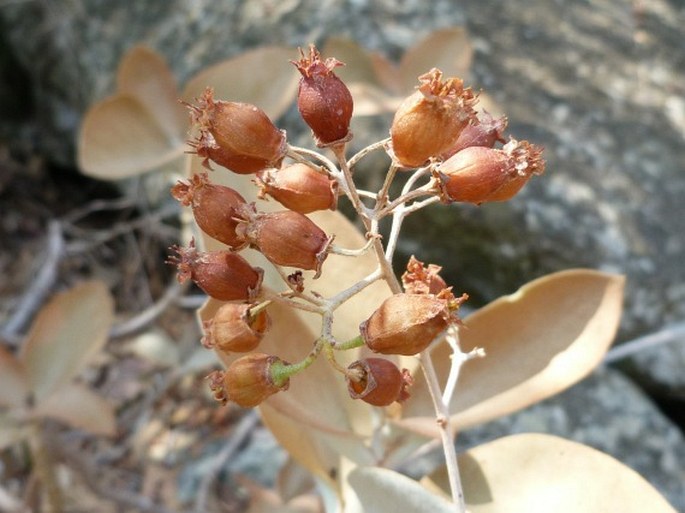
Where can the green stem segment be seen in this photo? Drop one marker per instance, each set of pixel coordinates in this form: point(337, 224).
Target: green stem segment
point(353, 343)
point(281, 371)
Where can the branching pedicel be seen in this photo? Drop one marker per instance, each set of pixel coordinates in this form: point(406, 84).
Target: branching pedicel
point(436, 135)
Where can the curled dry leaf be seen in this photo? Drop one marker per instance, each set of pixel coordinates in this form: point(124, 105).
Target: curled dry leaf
point(538, 341)
point(262, 76)
point(79, 407)
point(67, 332)
point(13, 386)
point(539, 473)
point(380, 489)
point(138, 129)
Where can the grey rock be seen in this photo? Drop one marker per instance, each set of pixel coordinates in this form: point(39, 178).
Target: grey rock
point(608, 412)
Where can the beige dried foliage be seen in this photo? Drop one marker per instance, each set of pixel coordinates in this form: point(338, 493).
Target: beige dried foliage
point(539, 473)
point(538, 341)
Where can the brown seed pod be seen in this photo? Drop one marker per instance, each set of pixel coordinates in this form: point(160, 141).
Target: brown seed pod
point(323, 100)
point(377, 381)
point(223, 275)
point(487, 132)
point(235, 329)
point(406, 324)
point(237, 136)
point(288, 238)
point(214, 208)
point(248, 380)
point(478, 174)
point(428, 122)
point(299, 187)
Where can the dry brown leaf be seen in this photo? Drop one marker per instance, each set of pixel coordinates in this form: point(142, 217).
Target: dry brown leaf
point(79, 407)
point(539, 473)
point(121, 137)
point(145, 75)
point(13, 386)
point(380, 489)
point(67, 332)
point(538, 341)
point(448, 50)
point(263, 77)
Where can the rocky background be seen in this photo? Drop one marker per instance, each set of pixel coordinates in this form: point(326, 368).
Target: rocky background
point(599, 83)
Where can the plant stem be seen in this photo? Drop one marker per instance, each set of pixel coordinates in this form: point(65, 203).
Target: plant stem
point(45, 469)
point(446, 432)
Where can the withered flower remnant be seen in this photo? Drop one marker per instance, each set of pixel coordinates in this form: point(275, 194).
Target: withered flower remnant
point(235, 328)
point(223, 275)
point(248, 381)
point(406, 324)
point(215, 208)
point(430, 120)
point(478, 174)
point(378, 381)
point(299, 187)
point(486, 132)
point(420, 279)
point(286, 238)
point(238, 136)
point(324, 101)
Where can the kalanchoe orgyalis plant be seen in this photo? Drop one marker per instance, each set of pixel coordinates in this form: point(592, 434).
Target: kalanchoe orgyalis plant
point(436, 131)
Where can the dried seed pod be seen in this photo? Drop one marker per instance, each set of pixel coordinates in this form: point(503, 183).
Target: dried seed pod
point(237, 136)
point(487, 132)
point(248, 381)
point(406, 323)
point(420, 279)
point(323, 100)
point(428, 122)
point(299, 187)
point(378, 381)
point(235, 328)
point(214, 208)
point(477, 174)
point(223, 275)
point(288, 238)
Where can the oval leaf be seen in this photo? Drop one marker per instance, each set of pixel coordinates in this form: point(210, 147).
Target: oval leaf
point(13, 387)
point(120, 137)
point(448, 49)
point(71, 328)
point(263, 77)
point(539, 473)
point(381, 489)
point(79, 407)
point(144, 74)
point(538, 342)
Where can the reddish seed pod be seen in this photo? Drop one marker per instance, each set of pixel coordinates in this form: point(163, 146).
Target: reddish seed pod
point(223, 275)
point(429, 121)
point(324, 101)
point(299, 187)
point(288, 238)
point(215, 208)
point(487, 132)
point(378, 381)
point(477, 174)
point(248, 381)
point(235, 329)
point(237, 136)
point(406, 323)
